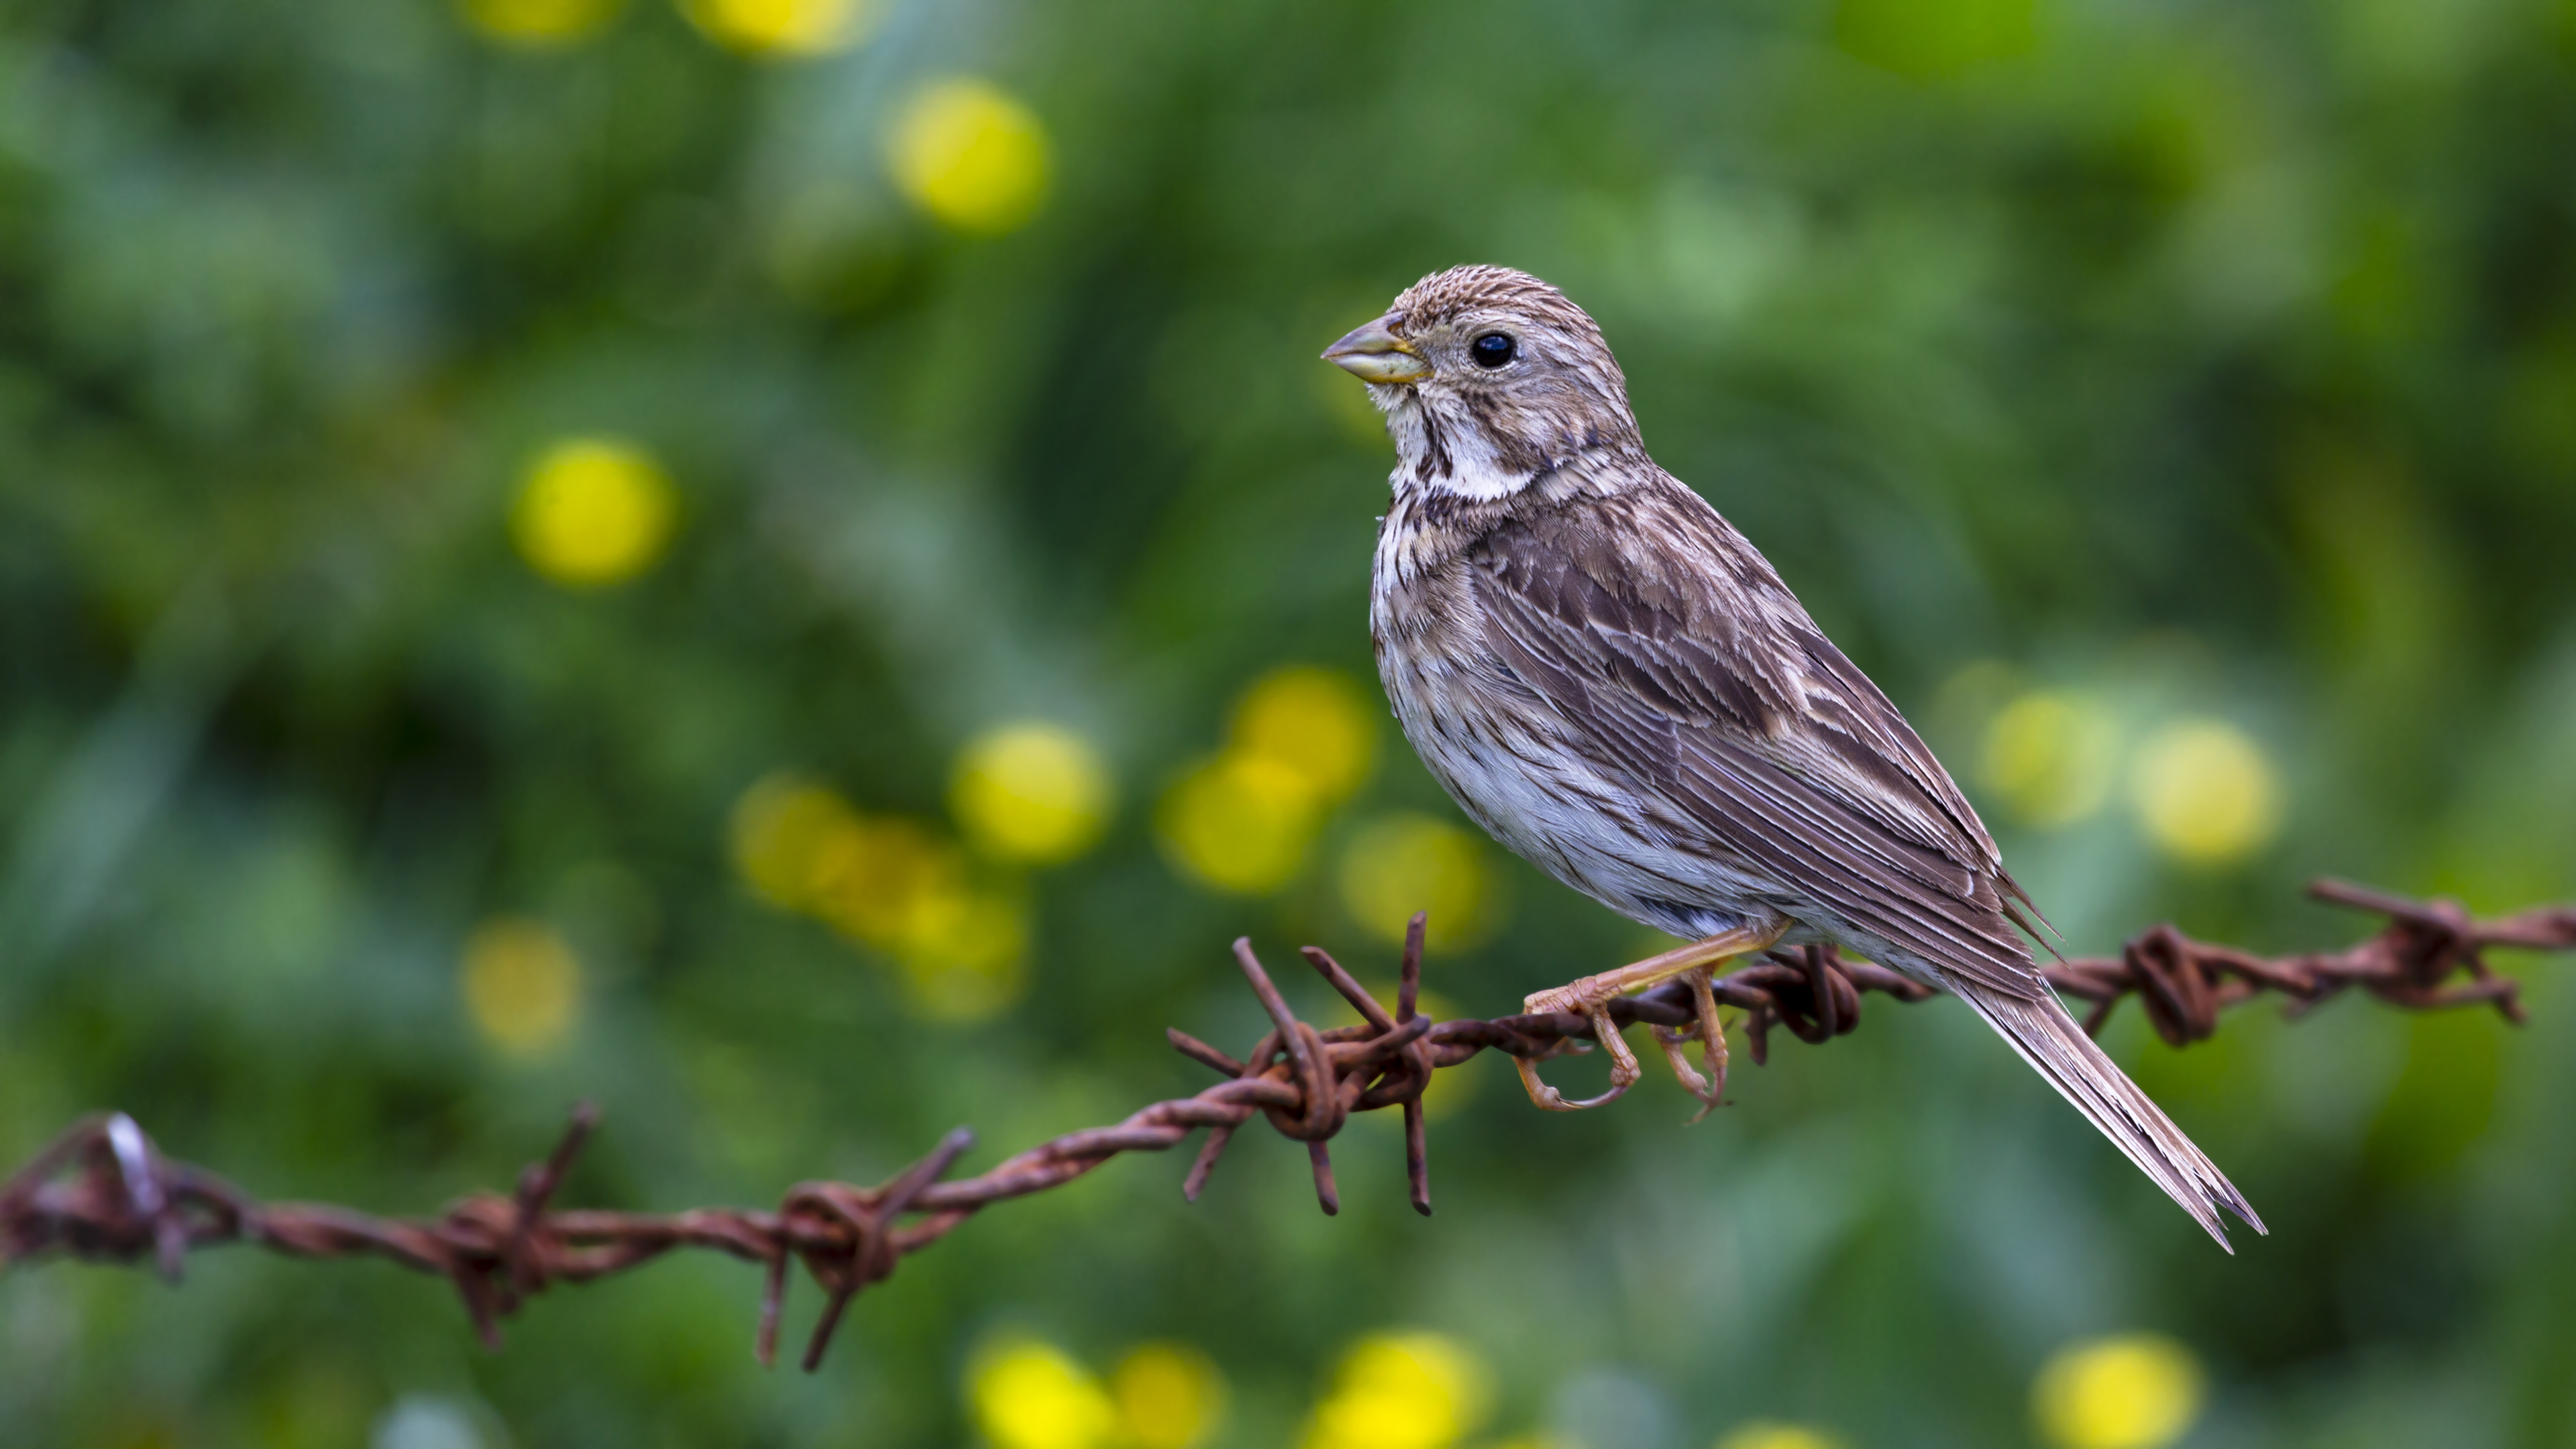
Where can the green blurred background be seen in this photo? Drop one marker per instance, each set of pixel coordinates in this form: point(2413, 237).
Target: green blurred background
point(738, 561)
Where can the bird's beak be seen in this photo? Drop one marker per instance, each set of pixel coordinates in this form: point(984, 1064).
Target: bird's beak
point(1375, 354)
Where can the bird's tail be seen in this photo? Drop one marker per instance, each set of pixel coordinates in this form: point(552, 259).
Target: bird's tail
point(2050, 1040)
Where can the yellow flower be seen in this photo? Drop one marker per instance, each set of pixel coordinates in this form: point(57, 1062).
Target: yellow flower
point(538, 23)
point(964, 954)
point(893, 884)
point(1400, 864)
point(1240, 823)
point(2135, 1392)
point(1032, 792)
point(1766, 1435)
point(782, 27)
point(1317, 722)
point(2206, 793)
point(972, 156)
point(2051, 757)
point(522, 985)
point(593, 511)
point(1170, 1396)
point(876, 882)
point(1030, 1395)
point(789, 835)
point(890, 883)
point(1401, 1391)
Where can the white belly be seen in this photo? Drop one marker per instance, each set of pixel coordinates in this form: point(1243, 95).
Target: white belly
point(1509, 762)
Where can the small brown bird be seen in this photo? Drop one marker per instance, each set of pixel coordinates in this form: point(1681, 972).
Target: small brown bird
point(1617, 685)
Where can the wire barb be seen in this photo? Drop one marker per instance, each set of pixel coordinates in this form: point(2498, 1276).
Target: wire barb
point(103, 1192)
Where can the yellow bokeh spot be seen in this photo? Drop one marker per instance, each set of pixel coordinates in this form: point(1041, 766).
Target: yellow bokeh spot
point(522, 985)
point(1030, 1395)
point(2139, 1391)
point(1763, 1434)
point(964, 954)
point(890, 883)
point(1319, 723)
point(538, 23)
point(1031, 792)
point(2052, 757)
point(787, 833)
point(1401, 1391)
point(1239, 823)
point(1169, 1396)
point(782, 27)
point(2206, 793)
point(593, 511)
point(1401, 864)
point(877, 880)
point(972, 156)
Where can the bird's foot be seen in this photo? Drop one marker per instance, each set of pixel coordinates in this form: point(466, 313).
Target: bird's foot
point(1590, 998)
point(1624, 1070)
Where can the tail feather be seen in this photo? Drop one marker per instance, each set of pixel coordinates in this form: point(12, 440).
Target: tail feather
point(2051, 1041)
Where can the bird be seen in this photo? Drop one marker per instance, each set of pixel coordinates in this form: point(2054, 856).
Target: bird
point(1616, 684)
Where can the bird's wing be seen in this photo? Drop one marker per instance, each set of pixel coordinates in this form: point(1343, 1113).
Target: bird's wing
point(1680, 662)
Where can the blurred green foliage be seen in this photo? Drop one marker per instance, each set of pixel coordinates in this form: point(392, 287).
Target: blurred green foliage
point(2174, 407)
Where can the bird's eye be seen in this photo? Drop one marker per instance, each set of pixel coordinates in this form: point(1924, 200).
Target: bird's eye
point(1492, 350)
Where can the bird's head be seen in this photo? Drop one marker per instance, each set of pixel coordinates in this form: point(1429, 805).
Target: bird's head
point(1490, 380)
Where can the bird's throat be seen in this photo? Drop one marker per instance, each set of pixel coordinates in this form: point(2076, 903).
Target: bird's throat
point(1438, 453)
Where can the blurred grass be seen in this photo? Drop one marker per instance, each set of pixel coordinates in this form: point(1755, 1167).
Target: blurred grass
point(2103, 377)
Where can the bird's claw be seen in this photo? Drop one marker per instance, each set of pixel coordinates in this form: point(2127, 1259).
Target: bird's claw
point(1582, 998)
point(1549, 1099)
point(1591, 998)
point(1710, 1033)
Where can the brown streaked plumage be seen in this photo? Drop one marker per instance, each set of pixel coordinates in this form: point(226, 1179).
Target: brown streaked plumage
point(1617, 685)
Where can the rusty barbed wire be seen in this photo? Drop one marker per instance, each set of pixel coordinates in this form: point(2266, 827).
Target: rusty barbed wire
point(2184, 984)
point(103, 1192)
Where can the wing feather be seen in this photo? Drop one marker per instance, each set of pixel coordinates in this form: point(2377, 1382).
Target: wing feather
point(1746, 722)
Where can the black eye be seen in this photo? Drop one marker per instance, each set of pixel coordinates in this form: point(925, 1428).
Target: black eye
point(1492, 350)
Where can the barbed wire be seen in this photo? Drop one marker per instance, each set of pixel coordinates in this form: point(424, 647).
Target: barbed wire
point(2184, 984)
point(102, 1191)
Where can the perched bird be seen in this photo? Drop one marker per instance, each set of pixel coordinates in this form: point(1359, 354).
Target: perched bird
point(1617, 685)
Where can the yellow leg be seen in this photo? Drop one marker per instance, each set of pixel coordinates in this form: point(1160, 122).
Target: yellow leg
point(1591, 997)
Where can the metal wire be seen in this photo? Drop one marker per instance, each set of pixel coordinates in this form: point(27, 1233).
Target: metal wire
point(103, 1192)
